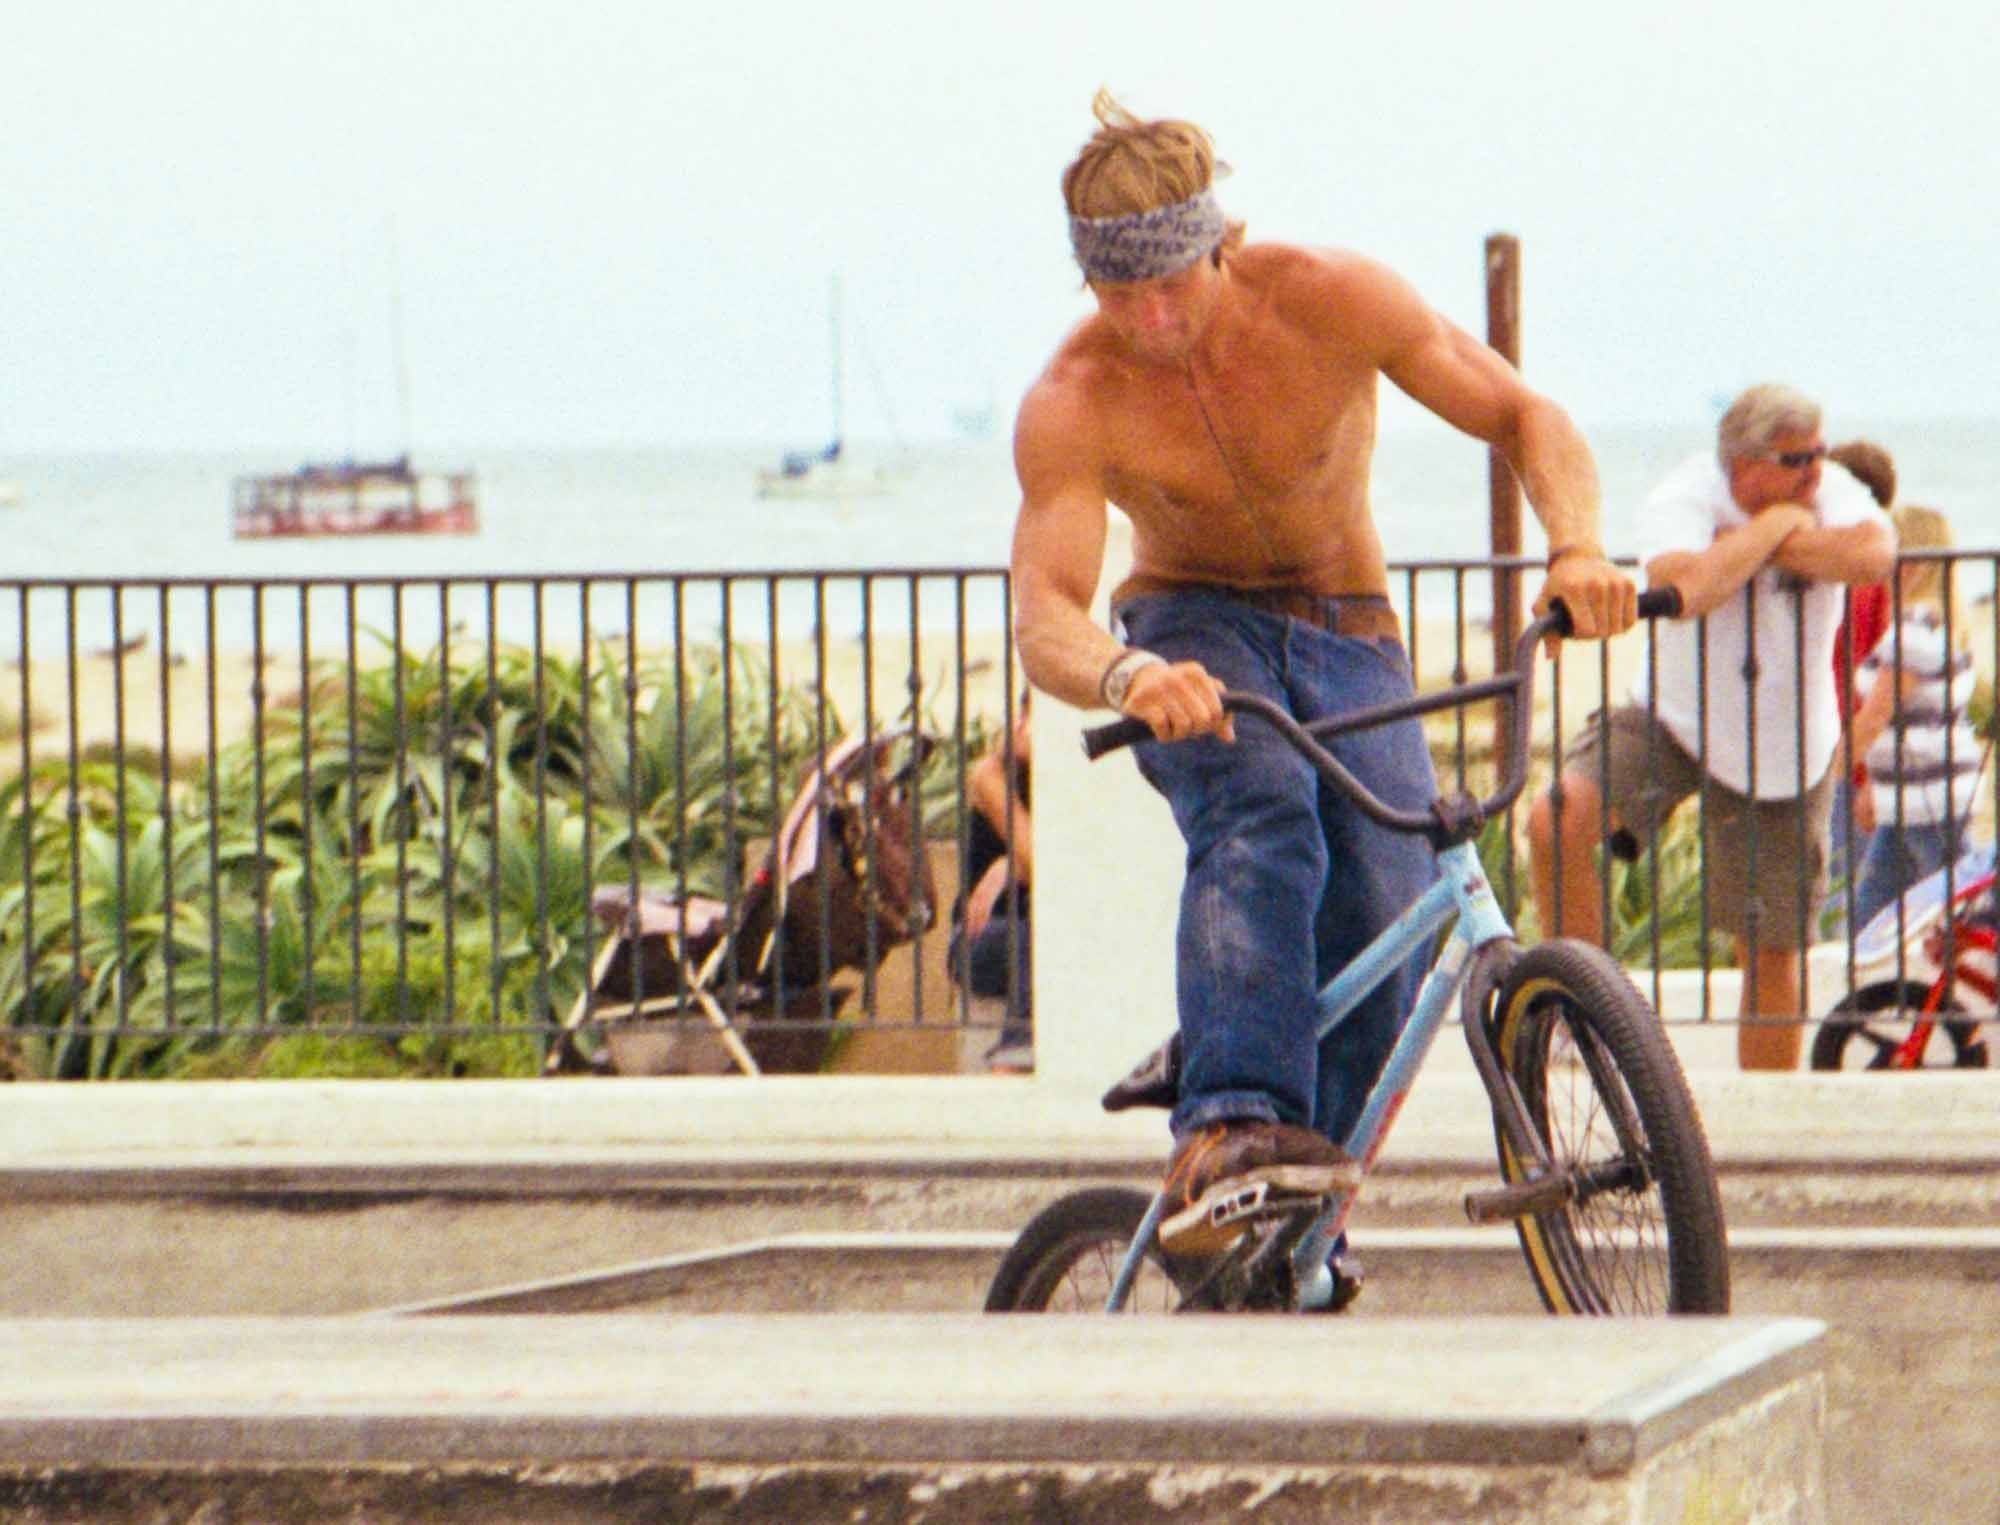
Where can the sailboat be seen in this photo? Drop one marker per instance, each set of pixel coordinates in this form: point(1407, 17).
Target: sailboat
point(359, 497)
point(826, 472)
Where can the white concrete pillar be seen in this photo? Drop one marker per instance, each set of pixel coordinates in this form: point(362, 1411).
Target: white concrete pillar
point(1108, 865)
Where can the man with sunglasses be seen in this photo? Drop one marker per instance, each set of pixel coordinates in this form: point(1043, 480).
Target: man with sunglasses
point(1760, 539)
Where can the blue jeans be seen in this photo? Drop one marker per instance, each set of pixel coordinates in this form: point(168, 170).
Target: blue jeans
point(1895, 860)
point(1286, 881)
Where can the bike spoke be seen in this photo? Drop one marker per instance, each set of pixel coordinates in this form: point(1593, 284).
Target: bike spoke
point(1615, 1217)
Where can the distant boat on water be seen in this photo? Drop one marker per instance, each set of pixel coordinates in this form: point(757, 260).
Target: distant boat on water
point(823, 474)
point(355, 498)
point(827, 472)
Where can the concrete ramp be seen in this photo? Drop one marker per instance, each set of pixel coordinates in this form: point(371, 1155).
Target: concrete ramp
point(934, 1418)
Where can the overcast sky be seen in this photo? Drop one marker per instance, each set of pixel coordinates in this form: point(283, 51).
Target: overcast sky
point(614, 222)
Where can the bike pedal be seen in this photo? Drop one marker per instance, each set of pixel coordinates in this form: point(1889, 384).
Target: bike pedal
point(1217, 1221)
point(1244, 1203)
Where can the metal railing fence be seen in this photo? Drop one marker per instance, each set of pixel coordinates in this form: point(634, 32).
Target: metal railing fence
point(366, 817)
point(356, 825)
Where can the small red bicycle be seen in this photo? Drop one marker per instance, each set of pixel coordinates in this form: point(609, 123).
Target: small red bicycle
point(1926, 1013)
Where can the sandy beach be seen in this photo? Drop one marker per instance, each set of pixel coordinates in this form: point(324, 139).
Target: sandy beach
point(128, 703)
point(193, 695)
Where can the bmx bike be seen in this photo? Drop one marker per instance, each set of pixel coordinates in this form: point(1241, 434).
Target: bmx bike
point(1604, 1168)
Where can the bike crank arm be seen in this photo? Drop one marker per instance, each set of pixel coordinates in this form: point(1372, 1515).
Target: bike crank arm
point(1504, 1204)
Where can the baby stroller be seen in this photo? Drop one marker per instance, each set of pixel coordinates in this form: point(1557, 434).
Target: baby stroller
point(682, 987)
point(1927, 1012)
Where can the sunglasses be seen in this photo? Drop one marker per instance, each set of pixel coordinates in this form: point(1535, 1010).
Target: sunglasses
point(1798, 460)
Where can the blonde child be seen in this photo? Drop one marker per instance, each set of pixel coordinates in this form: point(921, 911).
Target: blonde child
point(1923, 757)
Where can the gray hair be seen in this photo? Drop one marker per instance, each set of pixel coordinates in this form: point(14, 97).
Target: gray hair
point(1759, 416)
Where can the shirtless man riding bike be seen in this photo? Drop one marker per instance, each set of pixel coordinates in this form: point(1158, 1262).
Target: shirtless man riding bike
point(1223, 395)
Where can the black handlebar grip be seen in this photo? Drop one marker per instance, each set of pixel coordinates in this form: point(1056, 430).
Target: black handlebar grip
point(1661, 603)
point(1112, 735)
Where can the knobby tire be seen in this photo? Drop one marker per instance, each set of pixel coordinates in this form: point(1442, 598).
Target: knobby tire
point(1864, 1031)
point(1067, 1258)
point(1604, 1090)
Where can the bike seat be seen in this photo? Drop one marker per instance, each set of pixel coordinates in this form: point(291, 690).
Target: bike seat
point(1154, 1081)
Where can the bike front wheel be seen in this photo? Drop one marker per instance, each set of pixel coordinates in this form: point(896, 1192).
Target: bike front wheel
point(1867, 1031)
point(1639, 1227)
point(1066, 1260)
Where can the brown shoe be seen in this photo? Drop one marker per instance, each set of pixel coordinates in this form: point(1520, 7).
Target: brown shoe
point(1230, 1173)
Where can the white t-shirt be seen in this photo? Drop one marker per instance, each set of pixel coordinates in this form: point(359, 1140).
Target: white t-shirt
point(1685, 513)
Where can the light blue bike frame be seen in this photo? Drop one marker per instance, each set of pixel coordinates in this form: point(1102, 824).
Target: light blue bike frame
point(1460, 896)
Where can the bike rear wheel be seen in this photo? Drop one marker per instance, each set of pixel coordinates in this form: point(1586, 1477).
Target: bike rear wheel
point(1067, 1258)
point(1641, 1230)
point(1865, 1031)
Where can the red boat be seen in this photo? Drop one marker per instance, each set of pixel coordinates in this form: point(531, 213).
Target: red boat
point(356, 498)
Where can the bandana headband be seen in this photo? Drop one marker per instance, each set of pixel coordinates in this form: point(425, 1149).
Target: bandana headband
point(1142, 246)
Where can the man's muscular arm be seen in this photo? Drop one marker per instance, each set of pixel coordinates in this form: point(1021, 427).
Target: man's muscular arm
point(1059, 549)
point(1473, 389)
point(1057, 559)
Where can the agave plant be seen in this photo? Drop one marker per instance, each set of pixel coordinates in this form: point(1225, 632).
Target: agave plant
point(685, 766)
point(526, 893)
point(394, 872)
point(94, 935)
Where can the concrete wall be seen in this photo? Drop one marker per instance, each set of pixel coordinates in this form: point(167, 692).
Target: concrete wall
point(1107, 893)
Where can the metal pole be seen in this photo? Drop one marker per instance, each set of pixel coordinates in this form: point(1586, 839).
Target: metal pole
point(1503, 333)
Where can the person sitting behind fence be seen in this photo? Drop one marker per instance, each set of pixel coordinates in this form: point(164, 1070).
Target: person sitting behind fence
point(989, 953)
point(1923, 756)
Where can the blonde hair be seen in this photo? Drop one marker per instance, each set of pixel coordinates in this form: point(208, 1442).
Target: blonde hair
point(1928, 582)
point(1131, 166)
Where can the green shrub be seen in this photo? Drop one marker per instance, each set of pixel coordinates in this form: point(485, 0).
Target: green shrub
point(170, 936)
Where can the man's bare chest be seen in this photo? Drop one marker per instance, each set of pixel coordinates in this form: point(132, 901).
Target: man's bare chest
point(1196, 447)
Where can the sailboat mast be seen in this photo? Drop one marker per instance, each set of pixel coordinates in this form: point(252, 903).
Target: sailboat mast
point(402, 360)
point(839, 360)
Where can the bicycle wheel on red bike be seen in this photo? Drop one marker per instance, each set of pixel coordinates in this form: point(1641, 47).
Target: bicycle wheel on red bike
point(1876, 1029)
point(1639, 1227)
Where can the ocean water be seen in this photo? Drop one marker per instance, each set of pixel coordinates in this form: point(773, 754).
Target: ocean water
point(567, 514)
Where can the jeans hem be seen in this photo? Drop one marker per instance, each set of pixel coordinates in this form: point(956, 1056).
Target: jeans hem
point(1223, 1107)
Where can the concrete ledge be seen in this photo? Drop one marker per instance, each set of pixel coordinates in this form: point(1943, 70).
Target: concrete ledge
point(1593, 1396)
point(955, 1420)
point(1933, 1117)
point(812, 1264)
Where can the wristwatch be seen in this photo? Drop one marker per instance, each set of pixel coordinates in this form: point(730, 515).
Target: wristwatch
point(1117, 679)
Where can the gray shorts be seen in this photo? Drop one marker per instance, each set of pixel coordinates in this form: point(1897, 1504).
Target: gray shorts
point(1765, 859)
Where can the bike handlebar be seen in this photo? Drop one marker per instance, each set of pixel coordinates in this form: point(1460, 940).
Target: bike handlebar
point(1449, 820)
